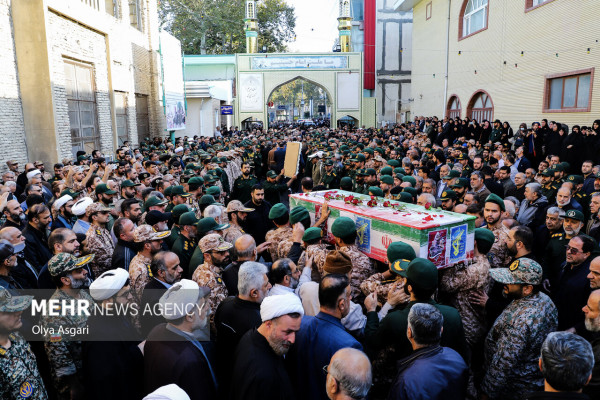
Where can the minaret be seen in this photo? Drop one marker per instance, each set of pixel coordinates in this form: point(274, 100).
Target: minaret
point(251, 27)
point(344, 25)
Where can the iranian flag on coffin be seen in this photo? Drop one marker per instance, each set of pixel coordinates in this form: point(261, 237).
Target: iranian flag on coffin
point(443, 237)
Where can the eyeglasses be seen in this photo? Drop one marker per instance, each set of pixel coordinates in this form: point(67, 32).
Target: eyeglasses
point(573, 250)
point(325, 371)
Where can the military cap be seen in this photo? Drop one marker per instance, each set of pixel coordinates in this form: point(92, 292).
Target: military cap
point(298, 213)
point(96, 208)
point(143, 176)
point(196, 180)
point(154, 217)
point(452, 174)
point(393, 163)
point(207, 200)
point(399, 170)
point(337, 262)
point(574, 214)
point(448, 194)
point(376, 191)
point(129, 183)
point(576, 179)
point(223, 159)
point(485, 239)
point(413, 192)
point(342, 227)
point(494, 198)
point(70, 192)
point(565, 165)
point(168, 191)
point(188, 218)
point(145, 233)
point(370, 171)
point(460, 183)
point(405, 197)
point(399, 176)
point(461, 156)
point(369, 150)
point(557, 167)
point(410, 179)
point(153, 201)
point(213, 242)
point(386, 171)
point(359, 158)
point(66, 262)
point(523, 271)
point(312, 233)
point(213, 191)
point(271, 174)
point(179, 191)
point(547, 172)
point(178, 210)
point(83, 157)
point(10, 303)
point(210, 224)
point(399, 255)
point(7, 249)
point(104, 189)
point(277, 211)
point(329, 162)
point(421, 273)
point(363, 172)
point(236, 205)
point(387, 179)
point(378, 158)
point(346, 180)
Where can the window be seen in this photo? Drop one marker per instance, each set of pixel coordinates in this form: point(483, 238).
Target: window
point(481, 107)
point(569, 92)
point(81, 101)
point(474, 17)
point(357, 8)
point(428, 11)
point(454, 109)
point(121, 117)
point(531, 4)
point(112, 7)
point(135, 14)
point(141, 114)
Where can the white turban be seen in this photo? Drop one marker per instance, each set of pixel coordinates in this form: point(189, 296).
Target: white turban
point(177, 150)
point(61, 201)
point(168, 392)
point(108, 284)
point(181, 299)
point(278, 305)
point(81, 205)
point(33, 173)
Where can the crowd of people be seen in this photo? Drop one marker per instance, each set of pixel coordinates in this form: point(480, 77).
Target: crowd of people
point(255, 302)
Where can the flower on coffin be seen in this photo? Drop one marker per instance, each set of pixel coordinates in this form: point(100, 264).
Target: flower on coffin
point(372, 203)
point(427, 206)
point(386, 204)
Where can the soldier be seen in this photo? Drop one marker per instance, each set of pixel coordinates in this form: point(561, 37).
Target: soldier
point(64, 349)
point(344, 232)
point(19, 375)
point(359, 183)
point(511, 357)
point(578, 194)
point(216, 258)
point(315, 250)
point(399, 255)
point(281, 218)
point(236, 213)
point(555, 254)
point(243, 184)
point(176, 213)
point(330, 179)
point(186, 242)
point(98, 238)
point(460, 187)
point(273, 189)
point(150, 243)
point(548, 188)
point(492, 213)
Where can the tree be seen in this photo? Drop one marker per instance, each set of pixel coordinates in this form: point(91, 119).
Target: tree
point(217, 26)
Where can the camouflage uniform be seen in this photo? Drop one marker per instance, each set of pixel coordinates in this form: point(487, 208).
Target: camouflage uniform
point(512, 347)
point(378, 284)
point(210, 276)
point(232, 233)
point(139, 275)
point(275, 236)
point(99, 242)
point(362, 268)
point(498, 255)
point(461, 281)
point(19, 375)
point(64, 354)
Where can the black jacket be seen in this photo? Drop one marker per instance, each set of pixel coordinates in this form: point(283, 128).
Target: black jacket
point(25, 274)
point(150, 296)
point(123, 254)
point(230, 277)
point(36, 247)
point(572, 294)
point(258, 222)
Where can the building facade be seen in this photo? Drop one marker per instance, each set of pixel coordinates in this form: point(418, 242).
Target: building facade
point(517, 61)
point(78, 75)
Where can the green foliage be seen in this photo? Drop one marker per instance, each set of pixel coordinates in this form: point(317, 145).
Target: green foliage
point(291, 92)
point(217, 26)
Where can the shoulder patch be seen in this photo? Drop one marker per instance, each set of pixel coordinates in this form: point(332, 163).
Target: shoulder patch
point(557, 235)
point(98, 232)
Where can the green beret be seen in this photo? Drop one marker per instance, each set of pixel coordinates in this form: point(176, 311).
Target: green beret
point(342, 227)
point(393, 163)
point(387, 179)
point(278, 210)
point(410, 179)
point(413, 192)
point(312, 233)
point(422, 273)
point(369, 150)
point(298, 213)
point(376, 191)
point(346, 181)
point(213, 191)
point(207, 199)
point(494, 198)
point(370, 171)
point(399, 170)
point(400, 251)
point(485, 240)
point(386, 171)
point(405, 197)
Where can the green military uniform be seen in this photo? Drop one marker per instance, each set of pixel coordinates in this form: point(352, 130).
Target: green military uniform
point(273, 190)
point(242, 188)
point(197, 259)
point(175, 233)
point(331, 179)
point(555, 256)
point(183, 246)
point(549, 190)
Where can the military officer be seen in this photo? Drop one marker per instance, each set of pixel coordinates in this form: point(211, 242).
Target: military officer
point(176, 213)
point(186, 242)
point(330, 179)
point(511, 357)
point(492, 213)
point(243, 184)
point(578, 194)
point(273, 189)
point(555, 254)
point(548, 188)
point(279, 214)
point(237, 214)
point(359, 182)
point(98, 238)
point(19, 375)
point(315, 249)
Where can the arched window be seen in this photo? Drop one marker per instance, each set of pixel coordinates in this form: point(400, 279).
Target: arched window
point(474, 18)
point(481, 107)
point(454, 108)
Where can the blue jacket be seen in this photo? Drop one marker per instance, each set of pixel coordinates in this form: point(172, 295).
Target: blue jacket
point(317, 341)
point(431, 373)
